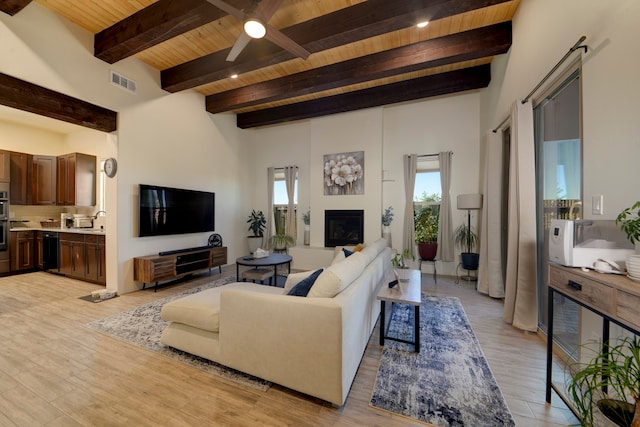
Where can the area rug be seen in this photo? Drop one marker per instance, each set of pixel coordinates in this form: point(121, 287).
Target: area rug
point(449, 383)
point(143, 327)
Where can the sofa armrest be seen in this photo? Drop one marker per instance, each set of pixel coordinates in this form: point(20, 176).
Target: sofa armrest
point(292, 341)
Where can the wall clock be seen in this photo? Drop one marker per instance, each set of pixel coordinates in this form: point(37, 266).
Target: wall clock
point(215, 240)
point(110, 167)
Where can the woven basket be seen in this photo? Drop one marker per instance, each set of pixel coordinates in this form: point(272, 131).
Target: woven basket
point(50, 224)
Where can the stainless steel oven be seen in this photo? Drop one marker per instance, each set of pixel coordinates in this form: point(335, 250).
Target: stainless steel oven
point(4, 228)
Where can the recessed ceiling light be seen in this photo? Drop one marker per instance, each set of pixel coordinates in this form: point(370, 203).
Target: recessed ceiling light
point(254, 28)
point(234, 76)
point(423, 24)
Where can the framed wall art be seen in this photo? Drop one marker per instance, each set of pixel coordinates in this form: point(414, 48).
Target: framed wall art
point(344, 173)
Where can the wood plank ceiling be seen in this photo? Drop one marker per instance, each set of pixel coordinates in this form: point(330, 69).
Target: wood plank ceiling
point(363, 53)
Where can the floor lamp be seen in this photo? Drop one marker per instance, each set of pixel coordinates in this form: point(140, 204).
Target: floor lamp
point(469, 202)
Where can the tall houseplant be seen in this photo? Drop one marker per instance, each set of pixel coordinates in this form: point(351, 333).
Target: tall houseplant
point(617, 368)
point(257, 223)
point(466, 238)
point(426, 233)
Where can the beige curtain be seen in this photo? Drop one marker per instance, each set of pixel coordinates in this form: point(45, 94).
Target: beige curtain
point(290, 174)
point(270, 177)
point(521, 302)
point(445, 228)
point(490, 272)
point(410, 162)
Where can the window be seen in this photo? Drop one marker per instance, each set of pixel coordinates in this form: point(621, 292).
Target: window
point(281, 201)
point(427, 191)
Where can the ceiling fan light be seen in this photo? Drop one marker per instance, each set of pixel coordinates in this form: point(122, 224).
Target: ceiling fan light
point(254, 28)
point(422, 24)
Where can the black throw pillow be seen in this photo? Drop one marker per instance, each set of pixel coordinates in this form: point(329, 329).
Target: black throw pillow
point(304, 286)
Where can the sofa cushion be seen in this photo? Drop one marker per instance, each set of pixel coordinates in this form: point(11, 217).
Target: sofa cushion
point(202, 309)
point(372, 250)
point(335, 278)
point(302, 288)
point(295, 278)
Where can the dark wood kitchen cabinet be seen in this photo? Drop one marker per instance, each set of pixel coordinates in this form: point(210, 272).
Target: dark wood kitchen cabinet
point(76, 180)
point(82, 256)
point(21, 165)
point(22, 244)
point(95, 259)
point(44, 180)
point(5, 166)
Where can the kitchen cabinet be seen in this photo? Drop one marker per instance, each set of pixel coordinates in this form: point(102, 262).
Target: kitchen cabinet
point(44, 180)
point(95, 259)
point(22, 244)
point(39, 255)
point(21, 165)
point(5, 166)
point(76, 180)
point(82, 256)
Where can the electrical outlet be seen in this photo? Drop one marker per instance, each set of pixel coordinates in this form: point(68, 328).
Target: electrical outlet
point(597, 205)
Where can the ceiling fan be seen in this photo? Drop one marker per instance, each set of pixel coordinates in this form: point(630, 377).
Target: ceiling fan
point(256, 25)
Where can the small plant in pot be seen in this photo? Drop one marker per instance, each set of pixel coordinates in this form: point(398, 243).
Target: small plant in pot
point(426, 233)
point(401, 264)
point(257, 223)
point(629, 222)
point(619, 370)
point(466, 238)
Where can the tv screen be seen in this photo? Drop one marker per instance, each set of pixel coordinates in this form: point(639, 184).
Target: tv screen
point(165, 210)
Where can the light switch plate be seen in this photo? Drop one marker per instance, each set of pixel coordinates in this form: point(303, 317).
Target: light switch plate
point(597, 205)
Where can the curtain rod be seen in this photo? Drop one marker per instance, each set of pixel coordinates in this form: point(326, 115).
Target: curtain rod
point(430, 155)
point(576, 46)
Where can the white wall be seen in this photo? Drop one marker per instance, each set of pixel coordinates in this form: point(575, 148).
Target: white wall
point(544, 30)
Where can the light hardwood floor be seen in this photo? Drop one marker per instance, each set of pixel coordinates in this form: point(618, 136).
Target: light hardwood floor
point(55, 371)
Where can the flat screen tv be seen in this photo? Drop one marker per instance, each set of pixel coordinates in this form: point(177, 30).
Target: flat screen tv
point(165, 210)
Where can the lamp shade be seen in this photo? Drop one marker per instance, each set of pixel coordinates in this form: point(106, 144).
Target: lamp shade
point(469, 201)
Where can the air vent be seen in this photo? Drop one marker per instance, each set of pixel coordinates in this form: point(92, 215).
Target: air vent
point(123, 82)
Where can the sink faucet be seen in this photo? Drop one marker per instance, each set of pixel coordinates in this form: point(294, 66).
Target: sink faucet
point(95, 216)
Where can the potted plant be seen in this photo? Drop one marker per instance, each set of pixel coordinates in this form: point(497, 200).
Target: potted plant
point(400, 263)
point(618, 368)
point(306, 218)
point(281, 241)
point(426, 233)
point(465, 237)
point(257, 223)
point(387, 219)
point(629, 222)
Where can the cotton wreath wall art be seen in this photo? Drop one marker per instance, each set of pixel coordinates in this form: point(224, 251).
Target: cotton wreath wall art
point(344, 173)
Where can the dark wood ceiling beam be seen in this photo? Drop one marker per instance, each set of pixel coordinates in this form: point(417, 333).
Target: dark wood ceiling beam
point(435, 85)
point(348, 25)
point(11, 7)
point(468, 45)
point(155, 24)
point(36, 99)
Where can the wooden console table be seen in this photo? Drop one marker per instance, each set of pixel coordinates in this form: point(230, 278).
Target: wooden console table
point(167, 266)
point(613, 297)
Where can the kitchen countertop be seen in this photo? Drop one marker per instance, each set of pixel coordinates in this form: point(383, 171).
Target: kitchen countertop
point(61, 230)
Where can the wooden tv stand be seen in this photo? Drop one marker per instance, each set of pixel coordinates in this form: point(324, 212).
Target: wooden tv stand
point(173, 264)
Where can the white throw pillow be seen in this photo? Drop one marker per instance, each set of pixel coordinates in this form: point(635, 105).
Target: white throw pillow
point(295, 278)
point(335, 278)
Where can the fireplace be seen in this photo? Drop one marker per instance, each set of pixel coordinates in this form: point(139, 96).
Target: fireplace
point(343, 227)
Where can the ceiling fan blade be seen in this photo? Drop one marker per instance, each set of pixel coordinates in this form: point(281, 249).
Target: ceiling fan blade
point(242, 42)
point(266, 9)
point(285, 42)
point(223, 6)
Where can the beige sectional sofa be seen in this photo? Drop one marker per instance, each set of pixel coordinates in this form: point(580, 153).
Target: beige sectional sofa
point(311, 344)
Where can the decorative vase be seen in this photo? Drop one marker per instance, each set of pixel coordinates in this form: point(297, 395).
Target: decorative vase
point(403, 274)
point(254, 243)
point(386, 234)
point(307, 234)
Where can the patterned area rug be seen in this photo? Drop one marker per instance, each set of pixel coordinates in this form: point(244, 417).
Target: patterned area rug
point(143, 326)
point(449, 383)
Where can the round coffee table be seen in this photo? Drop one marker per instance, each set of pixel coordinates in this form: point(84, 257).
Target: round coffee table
point(273, 260)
